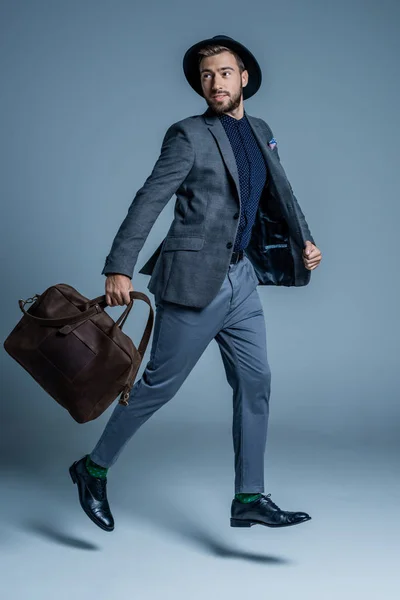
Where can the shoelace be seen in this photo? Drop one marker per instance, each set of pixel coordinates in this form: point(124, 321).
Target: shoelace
point(268, 499)
point(100, 485)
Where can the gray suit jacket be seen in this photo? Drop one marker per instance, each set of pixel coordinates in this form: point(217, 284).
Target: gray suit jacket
point(197, 164)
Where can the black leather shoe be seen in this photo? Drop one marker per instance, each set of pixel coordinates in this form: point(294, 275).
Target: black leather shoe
point(92, 495)
point(264, 512)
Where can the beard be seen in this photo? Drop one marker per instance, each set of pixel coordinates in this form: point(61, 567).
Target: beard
point(230, 104)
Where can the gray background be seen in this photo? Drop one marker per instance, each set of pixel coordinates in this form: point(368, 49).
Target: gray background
point(88, 91)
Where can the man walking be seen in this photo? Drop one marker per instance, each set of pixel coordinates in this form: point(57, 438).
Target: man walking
point(237, 224)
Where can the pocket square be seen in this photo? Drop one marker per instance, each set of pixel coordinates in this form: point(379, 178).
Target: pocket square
point(272, 143)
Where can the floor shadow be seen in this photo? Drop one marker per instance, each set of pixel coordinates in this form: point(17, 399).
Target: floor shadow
point(169, 516)
point(223, 550)
point(56, 536)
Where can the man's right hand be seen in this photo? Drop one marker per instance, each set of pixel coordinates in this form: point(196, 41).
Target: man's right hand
point(117, 291)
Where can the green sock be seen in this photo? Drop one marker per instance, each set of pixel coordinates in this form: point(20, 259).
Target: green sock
point(94, 469)
point(247, 497)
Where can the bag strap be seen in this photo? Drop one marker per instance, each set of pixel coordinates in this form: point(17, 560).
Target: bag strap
point(60, 320)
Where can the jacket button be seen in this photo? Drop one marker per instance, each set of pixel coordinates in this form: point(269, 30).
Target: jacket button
point(236, 216)
point(229, 245)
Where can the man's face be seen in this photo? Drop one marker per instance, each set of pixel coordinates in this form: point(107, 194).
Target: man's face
point(221, 82)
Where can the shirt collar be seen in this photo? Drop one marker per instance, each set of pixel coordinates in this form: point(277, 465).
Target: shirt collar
point(228, 118)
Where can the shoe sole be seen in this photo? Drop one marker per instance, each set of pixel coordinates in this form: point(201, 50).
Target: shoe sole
point(245, 523)
point(74, 478)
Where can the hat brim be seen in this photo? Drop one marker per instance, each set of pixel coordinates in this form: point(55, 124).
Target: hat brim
point(191, 64)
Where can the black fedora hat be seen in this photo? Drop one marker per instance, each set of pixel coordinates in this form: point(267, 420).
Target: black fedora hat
point(191, 64)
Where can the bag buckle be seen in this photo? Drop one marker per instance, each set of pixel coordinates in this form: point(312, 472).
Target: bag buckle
point(30, 300)
point(124, 398)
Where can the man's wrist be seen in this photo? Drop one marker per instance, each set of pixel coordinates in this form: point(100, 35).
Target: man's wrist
point(112, 273)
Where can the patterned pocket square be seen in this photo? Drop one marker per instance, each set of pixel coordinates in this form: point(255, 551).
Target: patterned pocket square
point(272, 143)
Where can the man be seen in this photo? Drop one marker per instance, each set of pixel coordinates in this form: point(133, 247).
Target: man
point(237, 224)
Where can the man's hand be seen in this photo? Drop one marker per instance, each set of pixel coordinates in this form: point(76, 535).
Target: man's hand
point(118, 287)
point(311, 256)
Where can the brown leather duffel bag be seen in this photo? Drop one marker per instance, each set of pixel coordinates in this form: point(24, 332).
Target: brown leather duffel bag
point(75, 351)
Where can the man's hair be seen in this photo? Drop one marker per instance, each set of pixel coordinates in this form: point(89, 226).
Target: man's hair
point(214, 49)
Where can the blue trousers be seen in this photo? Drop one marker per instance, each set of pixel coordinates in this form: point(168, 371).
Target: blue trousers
point(234, 318)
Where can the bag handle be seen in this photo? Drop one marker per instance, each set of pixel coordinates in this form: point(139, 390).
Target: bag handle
point(149, 325)
point(93, 310)
point(61, 320)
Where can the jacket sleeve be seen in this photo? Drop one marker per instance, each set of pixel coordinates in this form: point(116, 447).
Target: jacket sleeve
point(171, 169)
point(296, 206)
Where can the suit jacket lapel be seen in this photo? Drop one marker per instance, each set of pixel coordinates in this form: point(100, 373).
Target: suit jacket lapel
point(274, 166)
point(278, 175)
point(218, 131)
point(270, 157)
